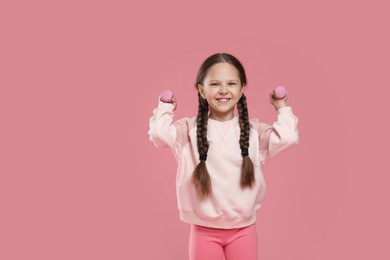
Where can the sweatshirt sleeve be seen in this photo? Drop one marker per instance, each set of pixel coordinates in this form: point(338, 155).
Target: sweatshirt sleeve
point(163, 132)
point(282, 134)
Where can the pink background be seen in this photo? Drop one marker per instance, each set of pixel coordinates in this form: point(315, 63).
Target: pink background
point(79, 178)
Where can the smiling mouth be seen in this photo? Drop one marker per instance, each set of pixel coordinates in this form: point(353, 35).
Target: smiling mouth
point(223, 100)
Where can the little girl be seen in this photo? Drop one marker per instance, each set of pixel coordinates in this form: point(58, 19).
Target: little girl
point(219, 182)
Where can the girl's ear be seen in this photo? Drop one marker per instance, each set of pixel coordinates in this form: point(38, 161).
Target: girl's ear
point(201, 90)
point(242, 90)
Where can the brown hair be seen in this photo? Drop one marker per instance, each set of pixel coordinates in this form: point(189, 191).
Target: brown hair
point(201, 176)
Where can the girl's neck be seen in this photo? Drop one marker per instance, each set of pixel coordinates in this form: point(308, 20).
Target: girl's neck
point(222, 117)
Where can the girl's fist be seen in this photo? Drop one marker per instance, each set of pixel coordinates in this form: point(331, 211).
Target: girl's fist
point(166, 96)
point(278, 97)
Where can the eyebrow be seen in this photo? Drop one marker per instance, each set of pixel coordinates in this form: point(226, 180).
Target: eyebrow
point(228, 80)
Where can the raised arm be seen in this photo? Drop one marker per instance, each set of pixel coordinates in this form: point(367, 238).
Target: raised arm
point(161, 130)
point(282, 134)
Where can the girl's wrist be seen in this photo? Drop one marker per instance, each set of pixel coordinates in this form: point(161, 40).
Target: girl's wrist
point(280, 105)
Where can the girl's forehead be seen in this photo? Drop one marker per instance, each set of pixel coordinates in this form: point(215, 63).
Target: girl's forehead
point(222, 70)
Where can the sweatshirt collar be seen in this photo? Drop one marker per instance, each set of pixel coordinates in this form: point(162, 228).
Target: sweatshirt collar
point(223, 123)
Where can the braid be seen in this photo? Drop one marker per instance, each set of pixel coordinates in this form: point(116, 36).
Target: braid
point(247, 170)
point(201, 176)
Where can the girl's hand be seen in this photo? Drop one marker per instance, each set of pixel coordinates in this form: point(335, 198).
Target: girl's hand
point(172, 101)
point(167, 97)
point(277, 103)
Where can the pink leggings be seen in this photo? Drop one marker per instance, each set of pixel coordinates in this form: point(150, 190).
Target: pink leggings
point(214, 244)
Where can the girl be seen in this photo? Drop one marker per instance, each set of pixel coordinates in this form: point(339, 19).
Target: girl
point(220, 185)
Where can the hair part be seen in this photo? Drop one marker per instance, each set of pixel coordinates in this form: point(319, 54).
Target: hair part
point(219, 58)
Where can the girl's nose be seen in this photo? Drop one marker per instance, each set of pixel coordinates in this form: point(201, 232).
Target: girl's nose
point(223, 89)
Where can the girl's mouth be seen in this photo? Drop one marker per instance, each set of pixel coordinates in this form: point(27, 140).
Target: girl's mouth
point(223, 100)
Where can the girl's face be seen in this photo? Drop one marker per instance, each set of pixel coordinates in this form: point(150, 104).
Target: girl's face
point(222, 88)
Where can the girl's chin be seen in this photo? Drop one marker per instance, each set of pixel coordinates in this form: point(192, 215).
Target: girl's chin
point(222, 110)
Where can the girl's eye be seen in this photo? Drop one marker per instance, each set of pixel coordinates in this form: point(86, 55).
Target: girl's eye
point(214, 84)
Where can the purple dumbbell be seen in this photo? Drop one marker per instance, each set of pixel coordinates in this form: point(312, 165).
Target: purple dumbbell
point(280, 92)
point(166, 96)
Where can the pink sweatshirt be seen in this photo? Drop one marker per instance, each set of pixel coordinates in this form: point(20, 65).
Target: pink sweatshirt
point(228, 206)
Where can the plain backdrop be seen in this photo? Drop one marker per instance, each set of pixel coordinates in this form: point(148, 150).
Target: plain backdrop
point(79, 178)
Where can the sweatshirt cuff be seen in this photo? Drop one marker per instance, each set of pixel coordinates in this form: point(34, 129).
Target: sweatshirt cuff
point(285, 110)
point(165, 106)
